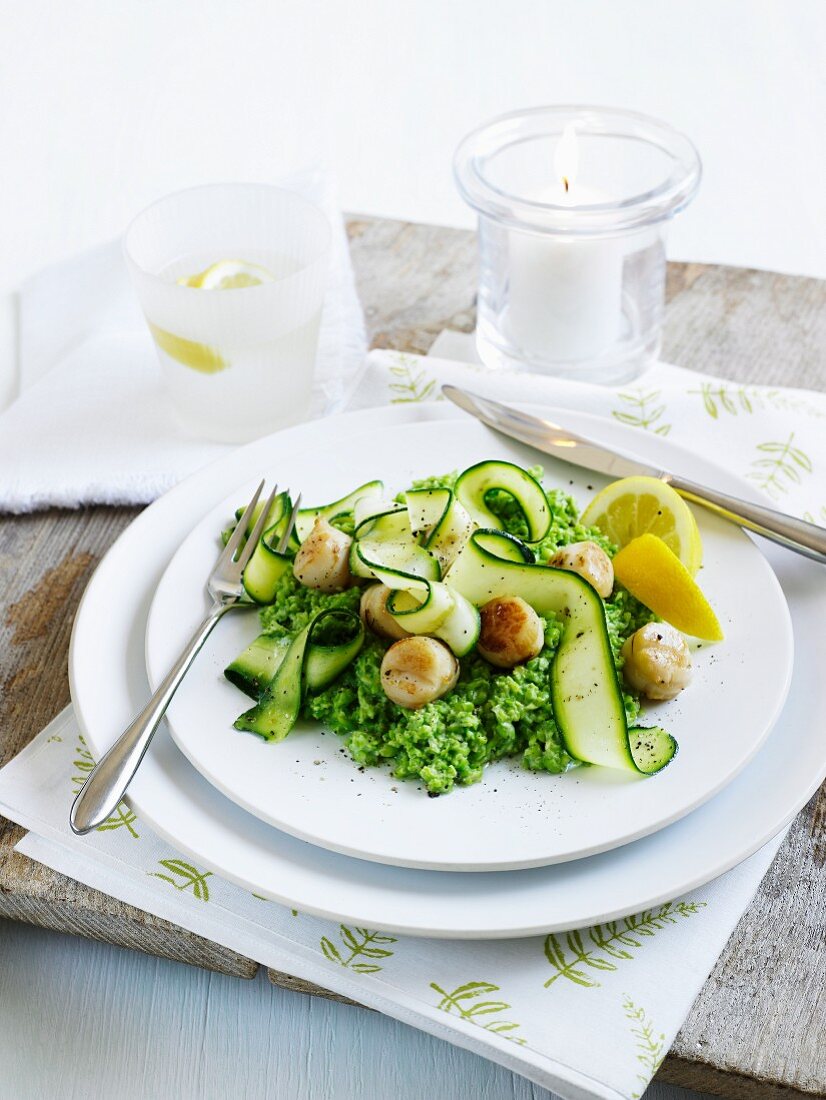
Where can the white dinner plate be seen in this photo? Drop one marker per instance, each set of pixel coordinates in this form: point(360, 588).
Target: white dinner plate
point(109, 686)
point(513, 818)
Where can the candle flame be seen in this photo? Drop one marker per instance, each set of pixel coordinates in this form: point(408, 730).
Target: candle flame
point(566, 157)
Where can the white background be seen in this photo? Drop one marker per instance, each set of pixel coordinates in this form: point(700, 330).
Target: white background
point(106, 104)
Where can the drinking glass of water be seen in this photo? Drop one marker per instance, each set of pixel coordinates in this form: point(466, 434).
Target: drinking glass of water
point(231, 279)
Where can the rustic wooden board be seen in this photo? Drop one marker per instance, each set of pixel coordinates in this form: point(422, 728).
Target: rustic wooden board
point(45, 562)
point(757, 1028)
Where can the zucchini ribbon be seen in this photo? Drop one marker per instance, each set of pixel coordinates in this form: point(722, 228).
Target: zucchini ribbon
point(311, 661)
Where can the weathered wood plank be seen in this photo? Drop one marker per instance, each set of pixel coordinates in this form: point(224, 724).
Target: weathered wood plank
point(299, 985)
point(762, 1013)
point(751, 326)
point(413, 280)
point(45, 562)
point(757, 1028)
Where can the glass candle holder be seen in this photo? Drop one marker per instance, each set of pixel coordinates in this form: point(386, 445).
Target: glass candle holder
point(573, 206)
point(238, 359)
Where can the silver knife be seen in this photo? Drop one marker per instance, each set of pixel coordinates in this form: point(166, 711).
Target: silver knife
point(795, 534)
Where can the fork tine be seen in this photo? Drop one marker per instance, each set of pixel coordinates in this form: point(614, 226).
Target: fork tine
point(256, 532)
point(285, 538)
point(234, 540)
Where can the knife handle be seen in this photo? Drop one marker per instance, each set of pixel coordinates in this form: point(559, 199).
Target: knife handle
point(795, 534)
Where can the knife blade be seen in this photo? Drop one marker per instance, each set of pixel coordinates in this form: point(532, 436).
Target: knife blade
point(550, 438)
point(553, 439)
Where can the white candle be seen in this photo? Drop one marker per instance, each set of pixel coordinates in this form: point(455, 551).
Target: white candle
point(565, 296)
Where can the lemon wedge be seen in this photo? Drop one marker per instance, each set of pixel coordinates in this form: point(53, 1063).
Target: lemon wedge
point(656, 576)
point(191, 354)
point(636, 506)
point(228, 275)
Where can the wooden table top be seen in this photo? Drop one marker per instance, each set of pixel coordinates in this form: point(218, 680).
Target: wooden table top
point(757, 1028)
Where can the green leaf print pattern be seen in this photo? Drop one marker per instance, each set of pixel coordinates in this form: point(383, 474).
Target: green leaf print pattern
point(123, 817)
point(818, 517)
point(183, 876)
point(84, 762)
point(641, 410)
point(779, 465)
point(650, 1045)
point(603, 946)
point(357, 944)
point(722, 397)
point(464, 1000)
point(412, 383)
point(260, 897)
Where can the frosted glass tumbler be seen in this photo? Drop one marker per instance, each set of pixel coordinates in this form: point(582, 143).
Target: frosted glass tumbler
point(238, 362)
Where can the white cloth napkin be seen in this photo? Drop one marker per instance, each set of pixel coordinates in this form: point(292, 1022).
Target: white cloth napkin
point(587, 1013)
point(92, 423)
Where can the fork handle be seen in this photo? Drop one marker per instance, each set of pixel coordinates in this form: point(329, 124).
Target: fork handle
point(106, 785)
point(795, 534)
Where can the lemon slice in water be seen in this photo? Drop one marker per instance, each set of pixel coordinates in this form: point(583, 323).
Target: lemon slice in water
point(189, 353)
point(635, 506)
point(228, 275)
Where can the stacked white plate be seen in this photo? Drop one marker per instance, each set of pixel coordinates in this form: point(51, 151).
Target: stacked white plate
point(517, 854)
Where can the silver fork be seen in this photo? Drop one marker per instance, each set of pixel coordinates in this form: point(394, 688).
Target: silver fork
point(107, 783)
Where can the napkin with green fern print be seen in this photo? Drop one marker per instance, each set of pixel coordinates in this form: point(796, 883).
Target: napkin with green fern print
point(585, 1013)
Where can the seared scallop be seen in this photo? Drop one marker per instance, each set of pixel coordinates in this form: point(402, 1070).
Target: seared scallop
point(416, 670)
point(323, 559)
point(511, 632)
point(590, 562)
point(374, 613)
point(657, 661)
